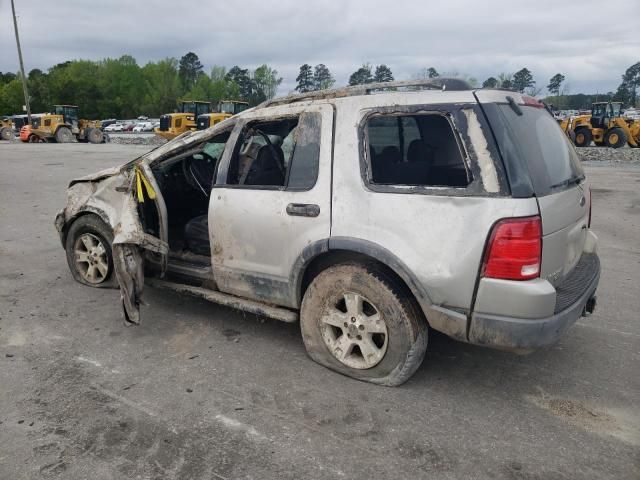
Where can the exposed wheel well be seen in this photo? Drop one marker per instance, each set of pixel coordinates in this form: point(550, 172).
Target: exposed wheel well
point(336, 257)
point(84, 213)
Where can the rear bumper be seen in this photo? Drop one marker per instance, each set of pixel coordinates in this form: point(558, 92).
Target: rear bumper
point(525, 334)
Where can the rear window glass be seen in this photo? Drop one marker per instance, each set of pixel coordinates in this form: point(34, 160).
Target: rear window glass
point(535, 140)
point(418, 150)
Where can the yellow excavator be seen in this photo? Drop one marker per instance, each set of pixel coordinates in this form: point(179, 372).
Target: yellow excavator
point(174, 124)
point(605, 126)
point(225, 109)
point(63, 125)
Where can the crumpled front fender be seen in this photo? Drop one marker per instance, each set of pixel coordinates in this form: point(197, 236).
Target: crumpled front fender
point(110, 195)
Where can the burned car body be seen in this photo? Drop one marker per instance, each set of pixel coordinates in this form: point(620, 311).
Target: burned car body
point(366, 213)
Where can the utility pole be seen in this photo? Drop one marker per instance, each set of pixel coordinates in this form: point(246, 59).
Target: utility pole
point(24, 78)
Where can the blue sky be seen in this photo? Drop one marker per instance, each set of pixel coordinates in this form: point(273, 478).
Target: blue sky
point(460, 36)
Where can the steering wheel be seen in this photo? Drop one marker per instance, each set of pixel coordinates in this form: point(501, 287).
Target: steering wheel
point(190, 176)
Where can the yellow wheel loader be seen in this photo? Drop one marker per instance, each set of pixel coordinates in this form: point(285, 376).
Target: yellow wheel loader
point(226, 109)
point(6, 128)
point(63, 126)
point(605, 126)
point(570, 125)
point(174, 124)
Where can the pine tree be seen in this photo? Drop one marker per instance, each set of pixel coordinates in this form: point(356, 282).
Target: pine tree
point(383, 74)
point(554, 83)
point(305, 79)
point(322, 78)
point(361, 76)
point(490, 82)
point(522, 79)
point(189, 69)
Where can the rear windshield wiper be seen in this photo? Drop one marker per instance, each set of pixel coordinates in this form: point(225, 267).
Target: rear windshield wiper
point(576, 179)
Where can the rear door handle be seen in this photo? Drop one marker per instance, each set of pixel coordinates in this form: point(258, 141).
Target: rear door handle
point(303, 210)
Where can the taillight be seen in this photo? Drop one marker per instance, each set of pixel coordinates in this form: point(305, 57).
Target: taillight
point(514, 251)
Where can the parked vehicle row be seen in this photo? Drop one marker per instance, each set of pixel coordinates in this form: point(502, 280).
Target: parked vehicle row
point(131, 126)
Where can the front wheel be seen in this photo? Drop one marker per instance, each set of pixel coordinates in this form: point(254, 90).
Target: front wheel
point(94, 135)
point(88, 248)
point(583, 137)
point(615, 138)
point(358, 320)
point(64, 135)
point(6, 133)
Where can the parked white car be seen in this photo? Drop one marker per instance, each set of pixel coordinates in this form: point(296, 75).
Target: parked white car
point(114, 127)
point(143, 127)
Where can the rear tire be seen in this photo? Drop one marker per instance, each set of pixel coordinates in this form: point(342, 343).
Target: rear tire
point(6, 133)
point(583, 137)
point(615, 138)
point(358, 320)
point(88, 248)
point(94, 135)
point(64, 135)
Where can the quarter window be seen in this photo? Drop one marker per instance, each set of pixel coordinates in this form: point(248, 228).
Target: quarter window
point(419, 150)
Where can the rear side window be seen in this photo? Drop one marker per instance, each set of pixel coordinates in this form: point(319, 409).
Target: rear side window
point(419, 150)
point(532, 141)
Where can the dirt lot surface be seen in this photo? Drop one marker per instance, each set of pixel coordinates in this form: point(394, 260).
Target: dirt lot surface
point(200, 391)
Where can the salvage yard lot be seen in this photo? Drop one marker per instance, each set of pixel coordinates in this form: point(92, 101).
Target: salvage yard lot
point(203, 391)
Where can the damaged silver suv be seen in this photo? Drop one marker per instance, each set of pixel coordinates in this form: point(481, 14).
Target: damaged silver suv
point(370, 214)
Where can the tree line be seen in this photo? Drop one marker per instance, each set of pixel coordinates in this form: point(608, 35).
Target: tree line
point(120, 88)
point(521, 81)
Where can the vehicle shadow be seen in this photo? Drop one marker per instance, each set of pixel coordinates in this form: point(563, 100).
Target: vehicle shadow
point(467, 366)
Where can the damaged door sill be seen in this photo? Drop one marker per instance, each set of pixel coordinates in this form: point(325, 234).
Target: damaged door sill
point(251, 306)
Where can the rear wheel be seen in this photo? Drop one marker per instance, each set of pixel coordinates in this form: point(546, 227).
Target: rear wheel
point(88, 248)
point(6, 133)
point(583, 137)
point(94, 135)
point(358, 320)
point(64, 135)
point(615, 138)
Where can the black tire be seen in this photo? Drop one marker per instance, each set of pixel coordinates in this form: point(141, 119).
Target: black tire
point(6, 133)
point(583, 137)
point(615, 138)
point(406, 328)
point(94, 135)
point(64, 135)
point(92, 226)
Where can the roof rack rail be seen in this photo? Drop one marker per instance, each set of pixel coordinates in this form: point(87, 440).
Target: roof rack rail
point(438, 83)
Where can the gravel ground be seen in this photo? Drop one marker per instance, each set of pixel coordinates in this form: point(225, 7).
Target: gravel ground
point(136, 139)
point(200, 391)
point(624, 155)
